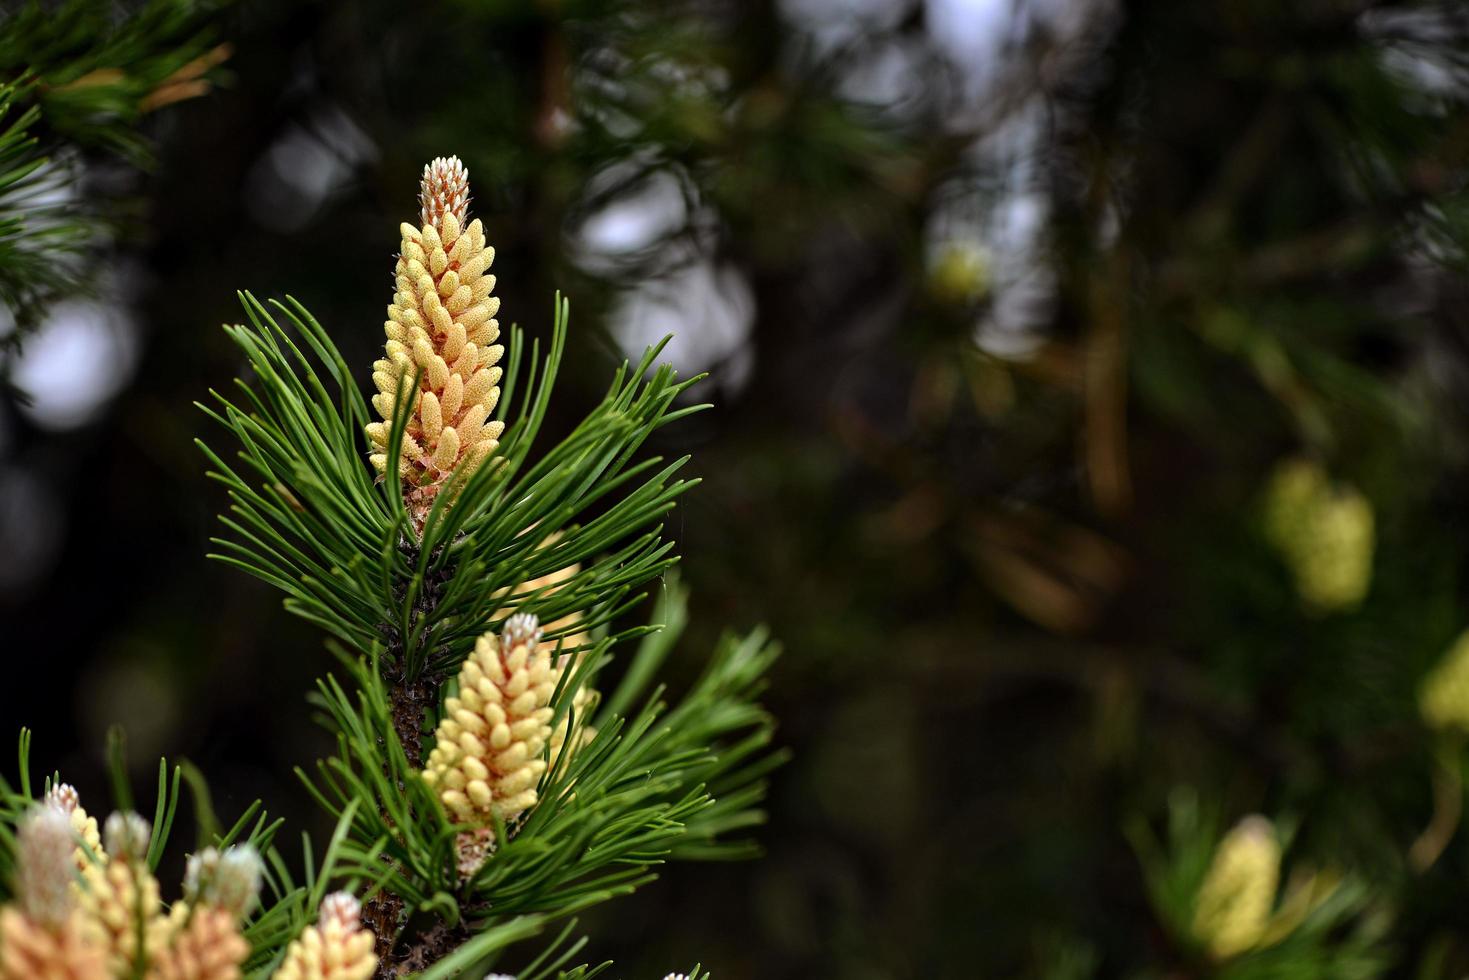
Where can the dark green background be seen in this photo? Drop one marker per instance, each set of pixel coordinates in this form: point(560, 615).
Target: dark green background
point(1022, 598)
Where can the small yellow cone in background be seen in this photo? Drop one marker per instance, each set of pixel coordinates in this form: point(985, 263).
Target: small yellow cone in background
point(959, 272)
point(1443, 702)
point(1325, 533)
point(462, 769)
point(1233, 908)
point(1443, 698)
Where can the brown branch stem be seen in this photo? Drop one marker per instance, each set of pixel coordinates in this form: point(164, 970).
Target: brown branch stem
point(409, 698)
point(434, 943)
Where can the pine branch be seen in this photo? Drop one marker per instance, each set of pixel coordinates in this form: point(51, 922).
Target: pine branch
point(307, 523)
point(98, 70)
point(440, 560)
point(76, 78)
point(41, 239)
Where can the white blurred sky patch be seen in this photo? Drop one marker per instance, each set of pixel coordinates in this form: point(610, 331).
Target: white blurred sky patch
point(973, 33)
point(305, 166)
point(80, 358)
point(654, 208)
point(657, 238)
point(658, 227)
point(999, 206)
point(1024, 282)
point(887, 77)
point(833, 23)
point(1416, 45)
point(709, 310)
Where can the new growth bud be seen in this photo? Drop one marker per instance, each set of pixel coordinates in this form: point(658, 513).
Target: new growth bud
point(443, 190)
point(45, 869)
point(341, 911)
point(64, 797)
point(522, 628)
point(126, 836)
point(228, 880)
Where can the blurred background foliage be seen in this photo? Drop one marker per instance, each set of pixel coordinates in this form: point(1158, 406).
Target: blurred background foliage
point(1090, 424)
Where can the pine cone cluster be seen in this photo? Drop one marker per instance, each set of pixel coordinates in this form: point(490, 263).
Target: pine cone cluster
point(204, 944)
point(30, 950)
point(441, 325)
point(106, 919)
point(477, 776)
point(487, 757)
